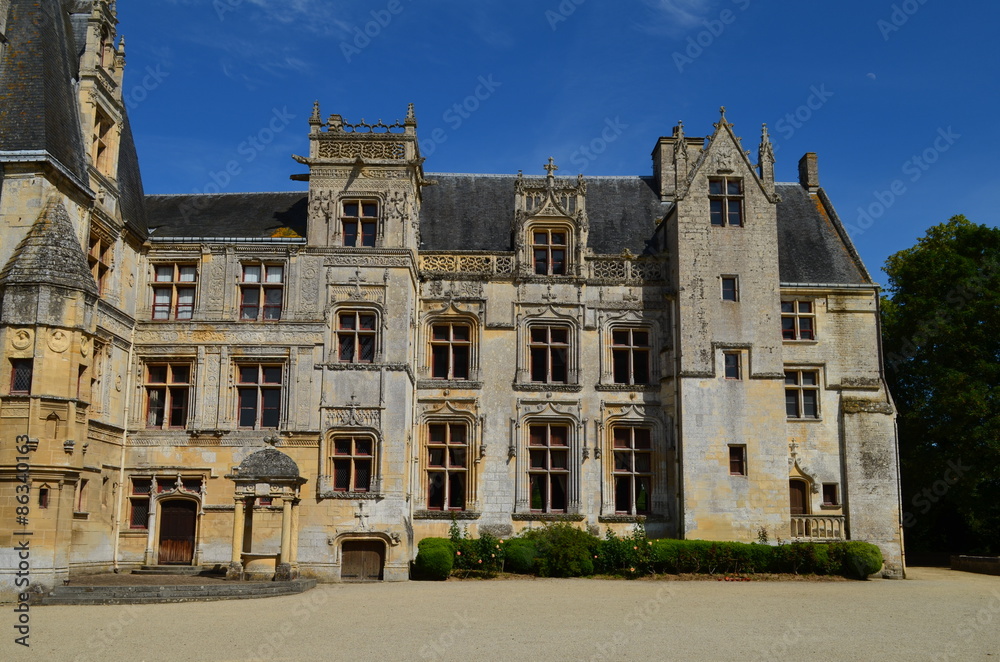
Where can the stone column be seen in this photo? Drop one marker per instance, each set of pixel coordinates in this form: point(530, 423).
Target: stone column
point(236, 562)
point(150, 557)
point(293, 555)
point(283, 571)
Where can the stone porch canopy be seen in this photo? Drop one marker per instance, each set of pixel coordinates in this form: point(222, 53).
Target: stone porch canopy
point(268, 473)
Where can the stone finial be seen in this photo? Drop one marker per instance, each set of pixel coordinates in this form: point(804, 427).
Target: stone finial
point(316, 117)
point(121, 46)
point(765, 159)
point(411, 115)
point(551, 167)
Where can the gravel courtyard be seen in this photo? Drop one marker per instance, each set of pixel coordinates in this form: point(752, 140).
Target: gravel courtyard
point(935, 615)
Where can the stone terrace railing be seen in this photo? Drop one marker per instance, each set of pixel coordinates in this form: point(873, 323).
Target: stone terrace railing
point(616, 269)
point(816, 528)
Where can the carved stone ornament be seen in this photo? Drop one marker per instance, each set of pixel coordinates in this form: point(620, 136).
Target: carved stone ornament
point(118, 383)
point(21, 338)
point(85, 347)
point(59, 340)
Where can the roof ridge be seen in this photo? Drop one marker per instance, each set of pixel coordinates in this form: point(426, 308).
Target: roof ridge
point(219, 195)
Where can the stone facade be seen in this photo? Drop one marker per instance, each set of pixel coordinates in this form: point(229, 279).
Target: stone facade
point(405, 349)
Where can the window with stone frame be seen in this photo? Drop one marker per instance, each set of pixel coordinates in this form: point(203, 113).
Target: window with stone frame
point(549, 250)
point(262, 292)
point(548, 353)
point(632, 470)
point(802, 393)
point(174, 291)
point(21, 373)
point(99, 258)
point(451, 350)
point(168, 392)
point(359, 222)
point(357, 336)
point(548, 467)
point(725, 199)
point(141, 490)
point(630, 355)
point(798, 320)
point(737, 460)
point(831, 496)
point(353, 463)
point(102, 147)
point(732, 365)
point(730, 288)
point(447, 465)
point(259, 395)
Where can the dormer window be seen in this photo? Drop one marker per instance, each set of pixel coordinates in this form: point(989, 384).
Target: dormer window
point(549, 250)
point(359, 222)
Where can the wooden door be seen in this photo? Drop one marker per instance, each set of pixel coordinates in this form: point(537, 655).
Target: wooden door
point(177, 522)
point(798, 497)
point(363, 561)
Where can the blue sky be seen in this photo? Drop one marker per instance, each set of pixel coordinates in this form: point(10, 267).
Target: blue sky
point(897, 98)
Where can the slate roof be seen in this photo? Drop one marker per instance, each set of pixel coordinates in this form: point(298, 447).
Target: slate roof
point(242, 215)
point(50, 254)
point(38, 101)
point(133, 201)
point(475, 212)
point(813, 246)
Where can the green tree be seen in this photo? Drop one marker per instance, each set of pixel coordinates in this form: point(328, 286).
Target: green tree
point(941, 331)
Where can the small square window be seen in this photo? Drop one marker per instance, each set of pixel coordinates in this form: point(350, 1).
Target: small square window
point(737, 460)
point(730, 288)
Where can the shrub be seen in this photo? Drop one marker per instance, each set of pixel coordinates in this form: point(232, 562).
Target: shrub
point(520, 556)
point(435, 558)
point(858, 559)
point(564, 550)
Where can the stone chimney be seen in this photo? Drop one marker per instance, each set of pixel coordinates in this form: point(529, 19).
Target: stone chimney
point(809, 172)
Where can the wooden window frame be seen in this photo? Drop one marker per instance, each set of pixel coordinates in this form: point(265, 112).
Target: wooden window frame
point(263, 289)
point(725, 202)
point(548, 350)
point(171, 307)
point(171, 390)
point(444, 444)
point(363, 227)
point(138, 496)
point(446, 351)
point(543, 253)
point(798, 392)
point(352, 461)
point(252, 396)
point(737, 460)
point(21, 371)
point(102, 147)
point(731, 294)
point(629, 471)
point(627, 355)
point(545, 471)
point(794, 319)
point(833, 502)
point(358, 336)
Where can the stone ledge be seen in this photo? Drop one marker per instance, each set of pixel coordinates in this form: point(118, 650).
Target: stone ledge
point(546, 517)
point(446, 515)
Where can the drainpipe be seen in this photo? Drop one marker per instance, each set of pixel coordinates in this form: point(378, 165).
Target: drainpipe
point(116, 530)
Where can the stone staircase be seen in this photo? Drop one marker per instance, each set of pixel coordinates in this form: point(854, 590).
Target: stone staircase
point(151, 594)
point(189, 570)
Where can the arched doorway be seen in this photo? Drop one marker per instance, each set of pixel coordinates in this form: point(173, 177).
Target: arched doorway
point(362, 561)
point(178, 518)
point(798, 497)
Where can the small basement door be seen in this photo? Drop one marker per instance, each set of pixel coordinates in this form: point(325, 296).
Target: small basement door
point(363, 561)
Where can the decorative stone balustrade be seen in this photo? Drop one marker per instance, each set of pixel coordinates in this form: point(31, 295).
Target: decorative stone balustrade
point(817, 528)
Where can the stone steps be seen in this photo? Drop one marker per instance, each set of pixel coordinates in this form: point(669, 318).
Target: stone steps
point(131, 595)
point(174, 570)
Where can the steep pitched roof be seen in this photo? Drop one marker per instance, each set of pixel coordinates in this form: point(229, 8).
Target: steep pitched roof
point(242, 215)
point(133, 202)
point(38, 101)
point(812, 244)
point(50, 254)
point(476, 212)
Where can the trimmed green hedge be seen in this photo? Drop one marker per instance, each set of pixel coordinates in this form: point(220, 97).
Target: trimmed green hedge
point(435, 559)
point(562, 550)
